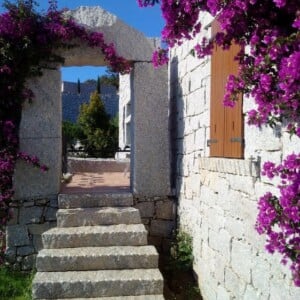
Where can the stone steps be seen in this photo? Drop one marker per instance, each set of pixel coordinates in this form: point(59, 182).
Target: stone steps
point(95, 236)
point(143, 297)
point(103, 283)
point(97, 252)
point(97, 216)
point(97, 258)
point(94, 200)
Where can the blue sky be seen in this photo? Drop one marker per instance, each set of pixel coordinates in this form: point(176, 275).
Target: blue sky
point(147, 20)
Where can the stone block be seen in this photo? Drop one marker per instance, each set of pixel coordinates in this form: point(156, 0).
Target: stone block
point(25, 250)
point(41, 202)
point(222, 293)
point(221, 242)
point(37, 242)
point(146, 209)
point(102, 258)
point(102, 283)
point(38, 228)
point(54, 202)
point(10, 254)
point(242, 184)
point(241, 260)
point(42, 118)
point(31, 215)
point(235, 227)
point(234, 284)
point(251, 294)
point(30, 182)
point(97, 216)
point(161, 228)
point(17, 235)
point(14, 216)
point(95, 236)
point(165, 210)
point(50, 214)
point(264, 138)
point(261, 275)
point(128, 42)
point(29, 262)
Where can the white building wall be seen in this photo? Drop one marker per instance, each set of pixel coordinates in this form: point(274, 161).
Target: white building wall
point(218, 196)
point(124, 113)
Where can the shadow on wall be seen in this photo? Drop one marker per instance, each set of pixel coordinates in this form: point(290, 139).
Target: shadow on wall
point(176, 126)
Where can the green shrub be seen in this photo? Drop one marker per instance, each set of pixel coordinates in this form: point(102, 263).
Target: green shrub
point(182, 251)
point(71, 133)
point(14, 285)
point(101, 135)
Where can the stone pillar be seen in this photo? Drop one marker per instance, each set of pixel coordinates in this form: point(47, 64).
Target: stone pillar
point(40, 135)
point(150, 136)
point(35, 201)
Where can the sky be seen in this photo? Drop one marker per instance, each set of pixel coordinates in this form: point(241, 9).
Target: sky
point(147, 20)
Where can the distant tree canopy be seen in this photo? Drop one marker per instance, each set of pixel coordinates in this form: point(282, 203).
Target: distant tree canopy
point(110, 78)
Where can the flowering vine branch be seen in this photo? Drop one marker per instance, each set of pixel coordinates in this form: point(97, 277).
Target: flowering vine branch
point(28, 44)
point(269, 73)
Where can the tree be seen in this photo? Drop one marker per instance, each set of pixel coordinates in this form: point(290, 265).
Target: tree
point(100, 138)
point(110, 78)
point(98, 85)
point(78, 86)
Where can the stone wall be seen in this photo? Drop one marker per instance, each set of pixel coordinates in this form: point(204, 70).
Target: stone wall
point(218, 196)
point(159, 217)
point(30, 219)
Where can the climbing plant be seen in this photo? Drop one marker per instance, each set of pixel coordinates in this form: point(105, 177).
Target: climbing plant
point(28, 44)
point(269, 73)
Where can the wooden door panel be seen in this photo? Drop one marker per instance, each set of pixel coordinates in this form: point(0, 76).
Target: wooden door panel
point(226, 134)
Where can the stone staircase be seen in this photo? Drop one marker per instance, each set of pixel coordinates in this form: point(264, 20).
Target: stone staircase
point(97, 251)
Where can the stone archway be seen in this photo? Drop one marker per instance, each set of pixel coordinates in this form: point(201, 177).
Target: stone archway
point(35, 201)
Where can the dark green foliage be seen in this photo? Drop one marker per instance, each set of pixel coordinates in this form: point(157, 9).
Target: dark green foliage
point(110, 78)
point(101, 134)
point(98, 85)
point(71, 133)
point(78, 86)
point(14, 285)
point(182, 251)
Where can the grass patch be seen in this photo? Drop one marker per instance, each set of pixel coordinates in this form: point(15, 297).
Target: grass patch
point(15, 285)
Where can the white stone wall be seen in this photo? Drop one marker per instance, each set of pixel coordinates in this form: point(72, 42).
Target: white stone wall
point(124, 115)
point(218, 196)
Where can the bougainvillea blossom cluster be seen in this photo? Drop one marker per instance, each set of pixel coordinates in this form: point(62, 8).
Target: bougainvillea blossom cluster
point(28, 44)
point(279, 216)
point(269, 73)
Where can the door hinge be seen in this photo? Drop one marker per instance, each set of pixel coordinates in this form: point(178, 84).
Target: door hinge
point(211, 141)
point(237, 140)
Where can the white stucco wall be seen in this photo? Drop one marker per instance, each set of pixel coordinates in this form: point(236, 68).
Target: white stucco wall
point(218, 197)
